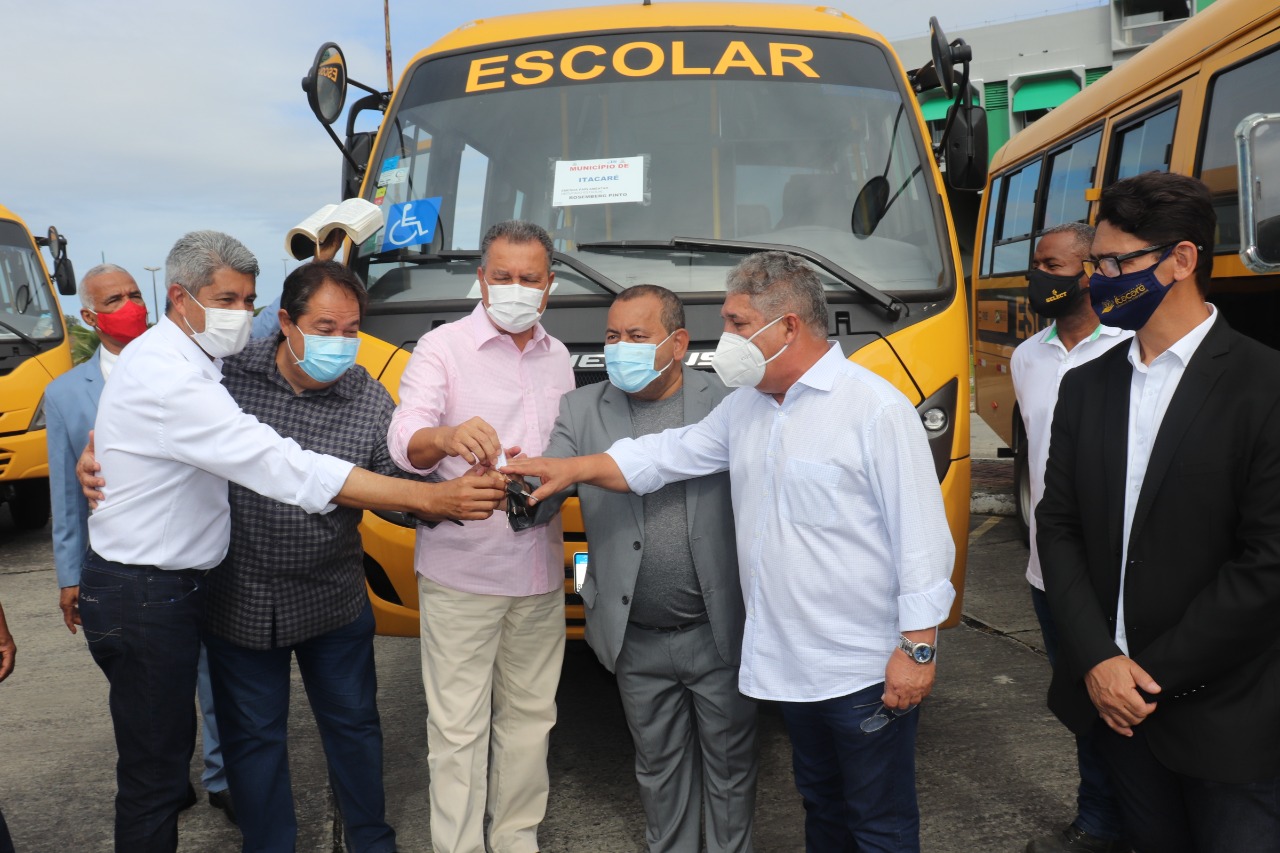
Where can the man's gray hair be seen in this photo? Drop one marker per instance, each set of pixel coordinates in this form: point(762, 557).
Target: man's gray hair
point(196, 258)
point(101, 269)
point(516, 231)
point(1080, 231)
point(779, 283)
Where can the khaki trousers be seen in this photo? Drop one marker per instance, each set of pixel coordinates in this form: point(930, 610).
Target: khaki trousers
point(490, 667)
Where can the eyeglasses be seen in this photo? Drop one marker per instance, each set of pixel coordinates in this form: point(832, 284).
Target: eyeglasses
point(883, 717)
point(1110, 267)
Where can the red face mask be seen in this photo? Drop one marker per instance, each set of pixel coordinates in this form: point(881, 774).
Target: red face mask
point(126, 323)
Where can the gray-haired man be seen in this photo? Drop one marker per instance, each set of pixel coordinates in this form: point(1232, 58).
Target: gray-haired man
point(169, 438)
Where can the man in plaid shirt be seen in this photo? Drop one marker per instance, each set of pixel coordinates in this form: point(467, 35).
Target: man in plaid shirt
point(293, 583)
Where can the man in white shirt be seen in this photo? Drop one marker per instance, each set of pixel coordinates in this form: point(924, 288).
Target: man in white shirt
point(168, 439)
point(843, 546)
point(1159, 536)
point(1058, 289)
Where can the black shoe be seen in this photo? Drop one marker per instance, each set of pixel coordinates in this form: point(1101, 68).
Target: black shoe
point(222, 800)
point(1073, 839)
point(191, 799)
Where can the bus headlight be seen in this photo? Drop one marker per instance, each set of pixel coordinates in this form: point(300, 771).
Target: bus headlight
point(934, 419)
point(938, 415)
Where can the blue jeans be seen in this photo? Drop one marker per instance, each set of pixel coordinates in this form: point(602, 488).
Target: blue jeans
point(214, 777)
point(142, 625)
point(251, 691)
point(1168, 812)
point(859, 788)
point(1097, 811)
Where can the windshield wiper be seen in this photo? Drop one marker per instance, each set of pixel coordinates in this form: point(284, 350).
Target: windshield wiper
point(892, 306)
point(408, 257)
point(27, 339)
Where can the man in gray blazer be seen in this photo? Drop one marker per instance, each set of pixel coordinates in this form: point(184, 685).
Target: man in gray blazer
point(664, 605)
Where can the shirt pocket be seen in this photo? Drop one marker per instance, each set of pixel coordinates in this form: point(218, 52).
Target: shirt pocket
point(811, 492)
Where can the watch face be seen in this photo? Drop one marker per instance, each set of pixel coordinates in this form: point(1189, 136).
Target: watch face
point(922, 653)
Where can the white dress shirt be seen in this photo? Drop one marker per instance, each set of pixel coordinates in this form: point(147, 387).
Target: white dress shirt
point(842, 537)
point(168, 437)
point(106, 360)
point(1151, 387)
point(1038, 365)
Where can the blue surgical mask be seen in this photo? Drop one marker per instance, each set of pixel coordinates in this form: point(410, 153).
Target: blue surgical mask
point(1128, 300)
point(325, 357)
point(631, 367)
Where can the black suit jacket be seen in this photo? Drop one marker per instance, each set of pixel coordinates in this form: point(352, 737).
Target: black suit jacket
point(1202, 584)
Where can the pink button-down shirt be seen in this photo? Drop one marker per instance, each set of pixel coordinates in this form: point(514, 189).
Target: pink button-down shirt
point(468, 369)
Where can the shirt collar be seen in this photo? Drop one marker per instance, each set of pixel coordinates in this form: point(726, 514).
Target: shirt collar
point(1109, 331)
point(1183, 349)
point(483, 330)
point(106, 360)
point(822, 375)
point(191, 350)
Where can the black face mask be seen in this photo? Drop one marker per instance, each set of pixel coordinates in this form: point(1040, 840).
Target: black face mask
point(1052, 295)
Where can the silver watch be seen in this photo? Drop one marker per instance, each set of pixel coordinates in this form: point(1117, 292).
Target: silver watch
point(921, 653)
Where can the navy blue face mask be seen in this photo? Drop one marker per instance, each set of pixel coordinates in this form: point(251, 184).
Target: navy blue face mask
point(1127, 301)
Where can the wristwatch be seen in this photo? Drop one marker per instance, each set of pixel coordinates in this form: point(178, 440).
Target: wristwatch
point(921, 653)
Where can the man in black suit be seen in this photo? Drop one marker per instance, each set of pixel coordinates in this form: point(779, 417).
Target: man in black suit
point(1159, 535)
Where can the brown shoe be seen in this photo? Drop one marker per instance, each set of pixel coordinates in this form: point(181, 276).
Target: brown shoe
point(1073, 839)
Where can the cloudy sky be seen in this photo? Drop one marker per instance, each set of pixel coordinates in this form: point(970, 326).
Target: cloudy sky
point(129, 123)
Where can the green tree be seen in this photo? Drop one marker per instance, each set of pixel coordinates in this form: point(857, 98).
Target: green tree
point(83, 340)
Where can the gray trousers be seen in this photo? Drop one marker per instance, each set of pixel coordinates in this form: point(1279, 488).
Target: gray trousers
point(695, 738)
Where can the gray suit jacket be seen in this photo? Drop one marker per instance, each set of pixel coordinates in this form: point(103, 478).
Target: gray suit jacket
point(593, 418)
point(70, 405)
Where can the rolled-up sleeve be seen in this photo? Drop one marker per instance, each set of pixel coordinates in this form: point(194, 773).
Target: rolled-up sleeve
point(424, 393)
point(652, 461)
point(905, 484)
point(223, 440)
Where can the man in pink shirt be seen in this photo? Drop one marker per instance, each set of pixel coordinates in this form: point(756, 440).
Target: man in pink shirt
point(491, 599)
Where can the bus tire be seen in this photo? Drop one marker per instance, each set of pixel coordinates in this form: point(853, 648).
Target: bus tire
point(30, 504)
point(1022, 483)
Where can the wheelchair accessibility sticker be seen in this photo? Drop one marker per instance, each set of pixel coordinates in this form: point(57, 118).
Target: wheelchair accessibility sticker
point(411, 223)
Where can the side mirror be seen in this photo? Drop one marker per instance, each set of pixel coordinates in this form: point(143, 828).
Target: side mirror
point(1258, 154)
point(966, 147)
point(942, 60)
point(326, 83)
point(64, 277)
point(870, 207)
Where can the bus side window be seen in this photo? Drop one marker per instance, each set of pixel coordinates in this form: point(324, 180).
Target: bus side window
point(1144, 146)
point(1233, 94)
point(1012, 246)
point(989, 230)
point(1071, 172)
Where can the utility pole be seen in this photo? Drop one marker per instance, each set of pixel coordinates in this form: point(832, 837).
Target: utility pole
point(155, 299)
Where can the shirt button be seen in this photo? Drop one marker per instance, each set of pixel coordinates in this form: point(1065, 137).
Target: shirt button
point(635, 546)
point(626, 599)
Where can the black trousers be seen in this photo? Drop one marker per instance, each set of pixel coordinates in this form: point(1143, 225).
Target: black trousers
point(1168, 812)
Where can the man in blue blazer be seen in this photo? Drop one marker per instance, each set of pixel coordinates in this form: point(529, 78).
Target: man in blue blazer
point(110, 304)
point(663, 600)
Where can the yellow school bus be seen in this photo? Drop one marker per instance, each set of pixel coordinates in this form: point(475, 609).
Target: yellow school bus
point(34, 350)
point(1172, 107)
point(705, 132)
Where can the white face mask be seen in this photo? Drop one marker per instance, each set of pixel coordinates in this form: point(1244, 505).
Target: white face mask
point(738, 362)
point(226, 331)
point(514, 307)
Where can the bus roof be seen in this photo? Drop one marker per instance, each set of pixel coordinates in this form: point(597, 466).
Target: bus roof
point(635, 16)
point(1181, 47)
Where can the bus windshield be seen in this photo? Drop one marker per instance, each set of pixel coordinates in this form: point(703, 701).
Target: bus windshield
point(619, 144)
point(27, 303)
